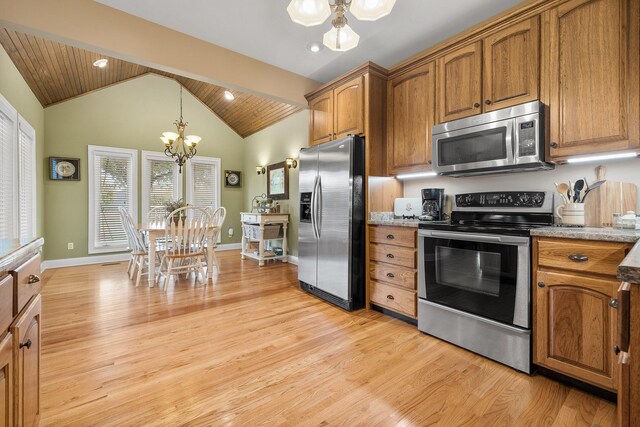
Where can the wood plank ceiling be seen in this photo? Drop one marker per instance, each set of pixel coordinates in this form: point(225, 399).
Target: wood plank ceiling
point(56, 72)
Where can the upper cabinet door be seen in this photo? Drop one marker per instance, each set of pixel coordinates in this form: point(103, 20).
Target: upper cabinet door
point(459, 83)
point(591, 78)
point(511, 65)
point(321, 119)
point(349, 108)
point(410, 116)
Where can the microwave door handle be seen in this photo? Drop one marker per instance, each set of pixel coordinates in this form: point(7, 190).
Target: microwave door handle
point(511, 141)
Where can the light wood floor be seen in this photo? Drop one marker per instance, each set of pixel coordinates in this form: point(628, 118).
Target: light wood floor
point(252, 349)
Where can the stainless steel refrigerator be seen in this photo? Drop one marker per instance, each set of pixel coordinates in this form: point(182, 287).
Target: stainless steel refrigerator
point(331, 229)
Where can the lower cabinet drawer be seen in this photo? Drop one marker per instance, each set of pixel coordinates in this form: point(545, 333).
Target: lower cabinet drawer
point(395, 299)
point(395, 255)
point(583, 256)
point(6, 303)
point(27, 282)
point(393, 274)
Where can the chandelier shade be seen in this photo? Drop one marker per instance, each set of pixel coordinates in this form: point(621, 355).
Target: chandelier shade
point(371, 10)
point(309, 12)
point(341, 39)
point(176, 145)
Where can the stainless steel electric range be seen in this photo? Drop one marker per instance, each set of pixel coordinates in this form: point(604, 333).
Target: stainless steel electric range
point(474, 273)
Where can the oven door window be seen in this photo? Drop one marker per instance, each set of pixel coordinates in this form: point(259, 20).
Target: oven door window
point(473, 277)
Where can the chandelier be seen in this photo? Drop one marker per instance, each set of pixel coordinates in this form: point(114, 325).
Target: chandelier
point(177, 145)
point(341, 37)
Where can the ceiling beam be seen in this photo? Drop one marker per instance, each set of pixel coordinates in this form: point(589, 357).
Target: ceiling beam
point(93, 26)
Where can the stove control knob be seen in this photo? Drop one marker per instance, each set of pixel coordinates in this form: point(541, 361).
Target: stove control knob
point(525, 198)
point(537, 199)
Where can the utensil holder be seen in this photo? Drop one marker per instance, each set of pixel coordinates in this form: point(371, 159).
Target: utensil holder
point(572, 213)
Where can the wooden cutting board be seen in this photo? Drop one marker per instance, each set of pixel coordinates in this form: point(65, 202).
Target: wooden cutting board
point(612, 197)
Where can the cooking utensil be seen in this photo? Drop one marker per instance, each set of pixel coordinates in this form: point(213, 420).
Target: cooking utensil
point(570, 191)
point(562, 189)
point(577, 190)
point(591, 188)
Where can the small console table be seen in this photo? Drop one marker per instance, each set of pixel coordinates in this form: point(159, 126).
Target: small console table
point(263, 228)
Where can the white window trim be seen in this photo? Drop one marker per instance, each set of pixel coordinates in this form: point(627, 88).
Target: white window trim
point(146, 182)
point(133, 200)
point(206, 160)
point(12, 113)
point(25, 127)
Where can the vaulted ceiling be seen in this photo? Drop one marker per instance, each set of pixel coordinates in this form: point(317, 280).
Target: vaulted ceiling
point(56, 72)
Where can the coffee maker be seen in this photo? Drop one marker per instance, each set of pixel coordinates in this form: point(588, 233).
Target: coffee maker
point(432, 204)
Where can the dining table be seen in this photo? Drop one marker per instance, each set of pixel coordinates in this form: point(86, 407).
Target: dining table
point(155, 231)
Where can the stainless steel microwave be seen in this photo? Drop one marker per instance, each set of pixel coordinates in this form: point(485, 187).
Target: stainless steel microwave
point(507, 140)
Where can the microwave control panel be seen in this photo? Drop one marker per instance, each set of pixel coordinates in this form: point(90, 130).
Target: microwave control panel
point(507, 199)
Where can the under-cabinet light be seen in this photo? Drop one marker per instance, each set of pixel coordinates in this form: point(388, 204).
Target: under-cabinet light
point(417, 175)
point(601, 157)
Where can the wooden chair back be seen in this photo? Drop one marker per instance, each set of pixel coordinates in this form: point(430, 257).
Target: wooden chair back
point(186, 230)
point(157, 216)
point(134, 238)
point(217, 218)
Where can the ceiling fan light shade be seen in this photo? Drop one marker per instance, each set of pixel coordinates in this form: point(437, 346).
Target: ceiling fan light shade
point(371, 10)
point(309, 12)
point(341, 39)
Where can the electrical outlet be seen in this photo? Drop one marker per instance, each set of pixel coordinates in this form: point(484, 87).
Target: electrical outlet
point(70, 246)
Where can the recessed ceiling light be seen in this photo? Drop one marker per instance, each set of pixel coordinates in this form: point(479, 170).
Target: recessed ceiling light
point(229, 96)
point(101, 63)
point(314, 47)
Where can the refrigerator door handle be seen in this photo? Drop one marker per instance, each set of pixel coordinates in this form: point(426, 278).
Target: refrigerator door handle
point(319, 207)
point(313, 208)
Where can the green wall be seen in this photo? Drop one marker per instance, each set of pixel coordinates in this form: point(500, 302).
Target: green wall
point(272, 145)
point(132, 114)
point(17, 92)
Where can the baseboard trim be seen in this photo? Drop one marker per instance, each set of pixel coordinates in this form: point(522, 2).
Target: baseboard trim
point(229, 247)
point(88, 260)
point(292, 259)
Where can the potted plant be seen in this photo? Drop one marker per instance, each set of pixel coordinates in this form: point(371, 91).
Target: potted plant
point(172, 206)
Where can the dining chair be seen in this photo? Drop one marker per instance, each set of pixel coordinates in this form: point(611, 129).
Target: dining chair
point(186, 231)
point(139, 252)
point(218, 216)
point(157, 217)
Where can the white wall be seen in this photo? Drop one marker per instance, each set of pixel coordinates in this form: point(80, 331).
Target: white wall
point(625, 171)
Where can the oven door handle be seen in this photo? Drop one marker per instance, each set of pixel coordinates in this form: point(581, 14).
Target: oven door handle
point(473, 237)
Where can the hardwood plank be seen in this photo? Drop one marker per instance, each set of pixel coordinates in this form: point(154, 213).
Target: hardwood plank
point(253, 349)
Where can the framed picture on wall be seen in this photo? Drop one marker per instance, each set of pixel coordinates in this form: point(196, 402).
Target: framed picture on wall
point(233, 179)
point(64, 169)
point(278, 181)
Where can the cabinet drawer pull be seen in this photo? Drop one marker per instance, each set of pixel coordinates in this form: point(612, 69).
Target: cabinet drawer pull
point(26, 344)
point(391, 275)
point(390, 256)
point(390, 297)
point(554, 145)
point(488, 102)
point(476, 105)
point(578, 257)
point(33, 278)
point(390, 236)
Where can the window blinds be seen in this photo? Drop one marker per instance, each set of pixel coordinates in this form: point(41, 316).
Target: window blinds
point(27, 180)
point(112, 185)
point(7, 170)
point(161, 181)
point(204, 182)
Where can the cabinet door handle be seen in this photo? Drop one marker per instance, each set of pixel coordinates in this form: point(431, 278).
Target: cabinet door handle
point(554, 145)
point(578, 257)
point(390, 236)
point(488, 102)
point(390, 297)
point(391, 275)
point(26, 344)
point(430, 162)
point(390, 256)
point(33, 278)
point(613, 303)
point(541, 284)
point(476, 105)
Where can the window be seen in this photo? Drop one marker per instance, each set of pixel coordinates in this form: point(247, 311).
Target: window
point(17, 175)
point(113, 182)
point(161, 181)
point(203, 181)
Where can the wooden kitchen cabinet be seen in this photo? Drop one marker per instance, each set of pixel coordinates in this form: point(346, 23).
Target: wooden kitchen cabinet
point(575, 319)
point(26, 352)
point(410, 116)
point(321, 119)
point(590, 77)
point(352, 104)
point(499, 71)
point(392, 269)
point(6, 381)
point(460, 83)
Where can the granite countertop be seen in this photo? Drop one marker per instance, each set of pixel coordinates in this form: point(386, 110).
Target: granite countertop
point(589, 233)
point(395, 222)
point(11, 250)
point(629, 269)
